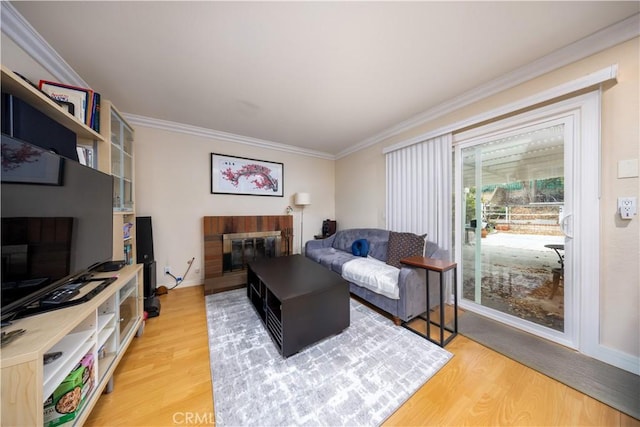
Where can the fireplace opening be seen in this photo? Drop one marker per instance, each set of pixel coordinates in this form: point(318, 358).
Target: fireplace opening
point(240, 248)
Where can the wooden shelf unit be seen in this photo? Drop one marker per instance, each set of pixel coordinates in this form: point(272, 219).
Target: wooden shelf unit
point(15, 85)
point(120, 241)
point(25, 382)
point(108, 145)
point(76, 330)
point(116, 157)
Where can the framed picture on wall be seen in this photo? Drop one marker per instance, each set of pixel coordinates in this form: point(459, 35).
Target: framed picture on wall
point(241, 175)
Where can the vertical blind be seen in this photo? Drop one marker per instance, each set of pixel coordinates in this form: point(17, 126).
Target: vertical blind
point(418, 197)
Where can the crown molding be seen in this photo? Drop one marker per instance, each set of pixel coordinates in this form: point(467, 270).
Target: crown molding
point(589, 82)
point(608, 37)
point(221, 136)
point(29, 40)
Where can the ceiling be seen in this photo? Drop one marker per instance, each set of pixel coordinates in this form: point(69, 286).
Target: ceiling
point(322, 76)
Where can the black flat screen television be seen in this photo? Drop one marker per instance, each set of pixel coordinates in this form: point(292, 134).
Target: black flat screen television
point(57, 223)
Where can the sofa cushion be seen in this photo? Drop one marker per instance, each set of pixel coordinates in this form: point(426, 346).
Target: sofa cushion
point(317, 254)
point(378, 249)
point(339, 260)
point(374, 275)
point(331, 258)
point(360, 248)
point(402, 245)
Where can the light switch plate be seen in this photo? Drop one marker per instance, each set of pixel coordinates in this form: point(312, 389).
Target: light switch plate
point(628, 168)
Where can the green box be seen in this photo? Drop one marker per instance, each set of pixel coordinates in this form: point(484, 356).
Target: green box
point(65, 402)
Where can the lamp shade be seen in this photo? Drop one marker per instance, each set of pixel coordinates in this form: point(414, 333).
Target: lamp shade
point(302, 199)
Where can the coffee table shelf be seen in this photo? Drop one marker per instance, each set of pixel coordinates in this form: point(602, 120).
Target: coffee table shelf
point(299, 301)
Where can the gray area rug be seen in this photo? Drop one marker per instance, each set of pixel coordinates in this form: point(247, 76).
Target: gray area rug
point(610, 385)
point(356, 378)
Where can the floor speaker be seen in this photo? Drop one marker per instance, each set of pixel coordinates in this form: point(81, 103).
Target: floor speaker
point(144, 240)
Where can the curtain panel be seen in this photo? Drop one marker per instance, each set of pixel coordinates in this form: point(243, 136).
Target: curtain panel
point(419, 197)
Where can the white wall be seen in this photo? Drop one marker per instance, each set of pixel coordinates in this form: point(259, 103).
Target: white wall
point(172, 185)
point(363, 173)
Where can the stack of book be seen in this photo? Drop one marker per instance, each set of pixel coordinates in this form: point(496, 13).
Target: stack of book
point(82, 103)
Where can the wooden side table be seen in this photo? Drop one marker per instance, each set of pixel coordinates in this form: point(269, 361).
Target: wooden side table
point(439, 266)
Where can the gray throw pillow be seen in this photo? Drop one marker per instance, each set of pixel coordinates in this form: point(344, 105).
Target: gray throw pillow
point(402, 245)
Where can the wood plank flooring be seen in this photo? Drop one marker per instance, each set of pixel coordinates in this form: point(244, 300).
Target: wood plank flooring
point(164, 379)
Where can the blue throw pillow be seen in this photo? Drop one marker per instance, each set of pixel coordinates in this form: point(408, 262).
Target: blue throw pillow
point(360, 247)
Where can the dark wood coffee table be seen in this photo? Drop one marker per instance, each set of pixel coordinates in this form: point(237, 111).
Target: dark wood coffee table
point(299, 301)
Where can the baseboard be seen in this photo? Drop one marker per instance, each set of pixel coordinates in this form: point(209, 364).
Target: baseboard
point(617, 358)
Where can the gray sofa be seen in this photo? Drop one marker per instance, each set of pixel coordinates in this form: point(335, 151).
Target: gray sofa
point(335, 250)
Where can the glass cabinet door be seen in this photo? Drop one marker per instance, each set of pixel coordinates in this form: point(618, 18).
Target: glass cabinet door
point(128, 309)
point(121, 163)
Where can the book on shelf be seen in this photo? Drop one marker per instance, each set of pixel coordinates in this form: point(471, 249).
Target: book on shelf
point(78, 96)
point(85, 102)
point(95, 113)
point(82, 158)
point(86, 156)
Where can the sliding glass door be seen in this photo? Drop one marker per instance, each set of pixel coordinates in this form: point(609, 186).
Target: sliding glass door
point(515, 211)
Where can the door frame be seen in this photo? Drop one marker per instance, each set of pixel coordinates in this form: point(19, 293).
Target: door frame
point(583, 331)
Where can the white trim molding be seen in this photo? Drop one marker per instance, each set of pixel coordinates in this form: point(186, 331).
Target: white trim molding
point(590, 45)
point(593, 80)
point(149, 122)
point(28, 39)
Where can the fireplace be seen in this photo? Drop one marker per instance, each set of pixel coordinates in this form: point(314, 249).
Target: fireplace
point(230, 242)
point(240, 248)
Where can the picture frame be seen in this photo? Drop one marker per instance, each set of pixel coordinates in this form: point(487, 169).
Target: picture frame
point(246, 176)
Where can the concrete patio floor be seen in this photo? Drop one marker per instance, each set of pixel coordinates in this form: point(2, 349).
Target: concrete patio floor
point(517, 276)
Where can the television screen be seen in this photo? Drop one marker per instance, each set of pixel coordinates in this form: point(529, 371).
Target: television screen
point(57, 221)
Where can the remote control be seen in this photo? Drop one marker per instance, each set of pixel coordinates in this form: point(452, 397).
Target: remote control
point(50, 357)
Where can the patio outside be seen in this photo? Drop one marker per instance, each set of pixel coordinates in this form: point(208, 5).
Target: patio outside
point(517, 268)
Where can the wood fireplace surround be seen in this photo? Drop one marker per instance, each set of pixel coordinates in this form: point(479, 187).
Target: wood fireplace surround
point(215, 227)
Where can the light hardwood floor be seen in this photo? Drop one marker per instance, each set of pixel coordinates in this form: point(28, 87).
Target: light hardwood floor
point(164, 379)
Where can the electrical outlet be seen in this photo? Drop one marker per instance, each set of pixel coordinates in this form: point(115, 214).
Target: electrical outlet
point(197, 270)
point(167, 270)
point(627, 206)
